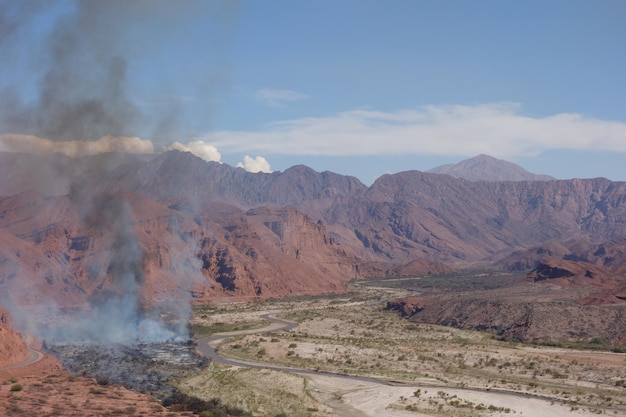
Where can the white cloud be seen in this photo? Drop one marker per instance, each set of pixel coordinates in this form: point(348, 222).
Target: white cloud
point(199, 148)
point(34, 144)
point(498, 129)
point(258, 164)
point(278, 98)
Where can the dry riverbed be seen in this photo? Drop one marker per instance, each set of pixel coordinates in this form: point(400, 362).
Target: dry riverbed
point(415, 369)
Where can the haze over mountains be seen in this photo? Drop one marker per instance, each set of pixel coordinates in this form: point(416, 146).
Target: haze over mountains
point(92, 230)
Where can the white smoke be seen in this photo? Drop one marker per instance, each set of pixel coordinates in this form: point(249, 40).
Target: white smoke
point(258, 164)
point(199, 148)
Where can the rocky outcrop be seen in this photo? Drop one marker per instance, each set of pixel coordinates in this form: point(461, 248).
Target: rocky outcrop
point(13, 348)
point(526, 314)
point(165, 250)
point(407, 306)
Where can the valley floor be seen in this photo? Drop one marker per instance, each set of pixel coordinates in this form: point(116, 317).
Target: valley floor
point(407, 369)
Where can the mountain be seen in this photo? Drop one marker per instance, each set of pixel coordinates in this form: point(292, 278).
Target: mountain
point(412, 215)
point(488, 168)
point(117, 229)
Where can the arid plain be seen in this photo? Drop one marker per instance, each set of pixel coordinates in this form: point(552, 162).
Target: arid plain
point(402, 368)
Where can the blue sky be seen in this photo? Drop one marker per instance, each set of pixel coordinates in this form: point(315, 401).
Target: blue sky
point(360, 88)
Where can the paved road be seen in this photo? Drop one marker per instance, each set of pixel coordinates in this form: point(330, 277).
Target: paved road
point(35, 356)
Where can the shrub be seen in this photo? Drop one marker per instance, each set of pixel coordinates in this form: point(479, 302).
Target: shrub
point(598, 341)
point(16, 387)
point(102, 380)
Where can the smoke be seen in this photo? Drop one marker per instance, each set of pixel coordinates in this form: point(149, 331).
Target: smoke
point(199, 148)
point(81, 70)
point(258, 164)
point(84, 61)
point(116, 313)
point(82, 92)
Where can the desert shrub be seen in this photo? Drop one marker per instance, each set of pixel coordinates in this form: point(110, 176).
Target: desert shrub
point(13, 380)
point(16, 387)
point(180, 401)
point(598, 341)
point(102, 380)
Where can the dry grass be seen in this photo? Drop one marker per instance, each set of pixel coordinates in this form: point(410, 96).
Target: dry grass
point(353, 336)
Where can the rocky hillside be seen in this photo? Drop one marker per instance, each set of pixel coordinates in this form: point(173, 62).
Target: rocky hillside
point(413, 215)
point(12, 347)
point(576, 291)
point(53, 250)
point(174, 226)
point(401, 217)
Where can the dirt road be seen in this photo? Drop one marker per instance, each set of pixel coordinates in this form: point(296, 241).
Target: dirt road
point(353, 396)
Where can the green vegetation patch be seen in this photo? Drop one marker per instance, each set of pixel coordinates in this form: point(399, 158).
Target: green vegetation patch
point(458, 281)
point(202, 330)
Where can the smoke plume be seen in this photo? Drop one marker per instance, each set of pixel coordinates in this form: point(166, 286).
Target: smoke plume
point(80, 103)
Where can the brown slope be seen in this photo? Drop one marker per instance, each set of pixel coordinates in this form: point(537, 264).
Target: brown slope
point(13, 349)
point(400, 218)
point(413, 215)
point(581, 295)
point(54, 255)
point(524, 313)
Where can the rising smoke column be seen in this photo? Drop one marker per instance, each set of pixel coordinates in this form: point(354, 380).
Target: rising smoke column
point(82, 96)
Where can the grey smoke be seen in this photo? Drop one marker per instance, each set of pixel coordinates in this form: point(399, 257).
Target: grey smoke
point(85, 64)
point(82, 91)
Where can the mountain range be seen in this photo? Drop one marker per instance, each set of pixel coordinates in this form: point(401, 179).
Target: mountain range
point(75, 231)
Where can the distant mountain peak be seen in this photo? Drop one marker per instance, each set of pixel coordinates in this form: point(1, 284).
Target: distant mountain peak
point(487, 168)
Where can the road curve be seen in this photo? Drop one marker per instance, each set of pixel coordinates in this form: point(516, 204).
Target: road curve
point(207, 346)
point(35, 356)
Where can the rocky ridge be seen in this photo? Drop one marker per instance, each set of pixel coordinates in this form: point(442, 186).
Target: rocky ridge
point(199, 232)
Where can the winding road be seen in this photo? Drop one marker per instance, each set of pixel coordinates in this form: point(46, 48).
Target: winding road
point(207, 346)
point(324, 385)
point(35, 356)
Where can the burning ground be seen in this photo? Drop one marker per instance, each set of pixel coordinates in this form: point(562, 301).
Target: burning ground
point(149, 368)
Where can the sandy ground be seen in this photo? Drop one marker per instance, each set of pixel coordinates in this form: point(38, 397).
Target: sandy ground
point(361, 399)
point(454, 372)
